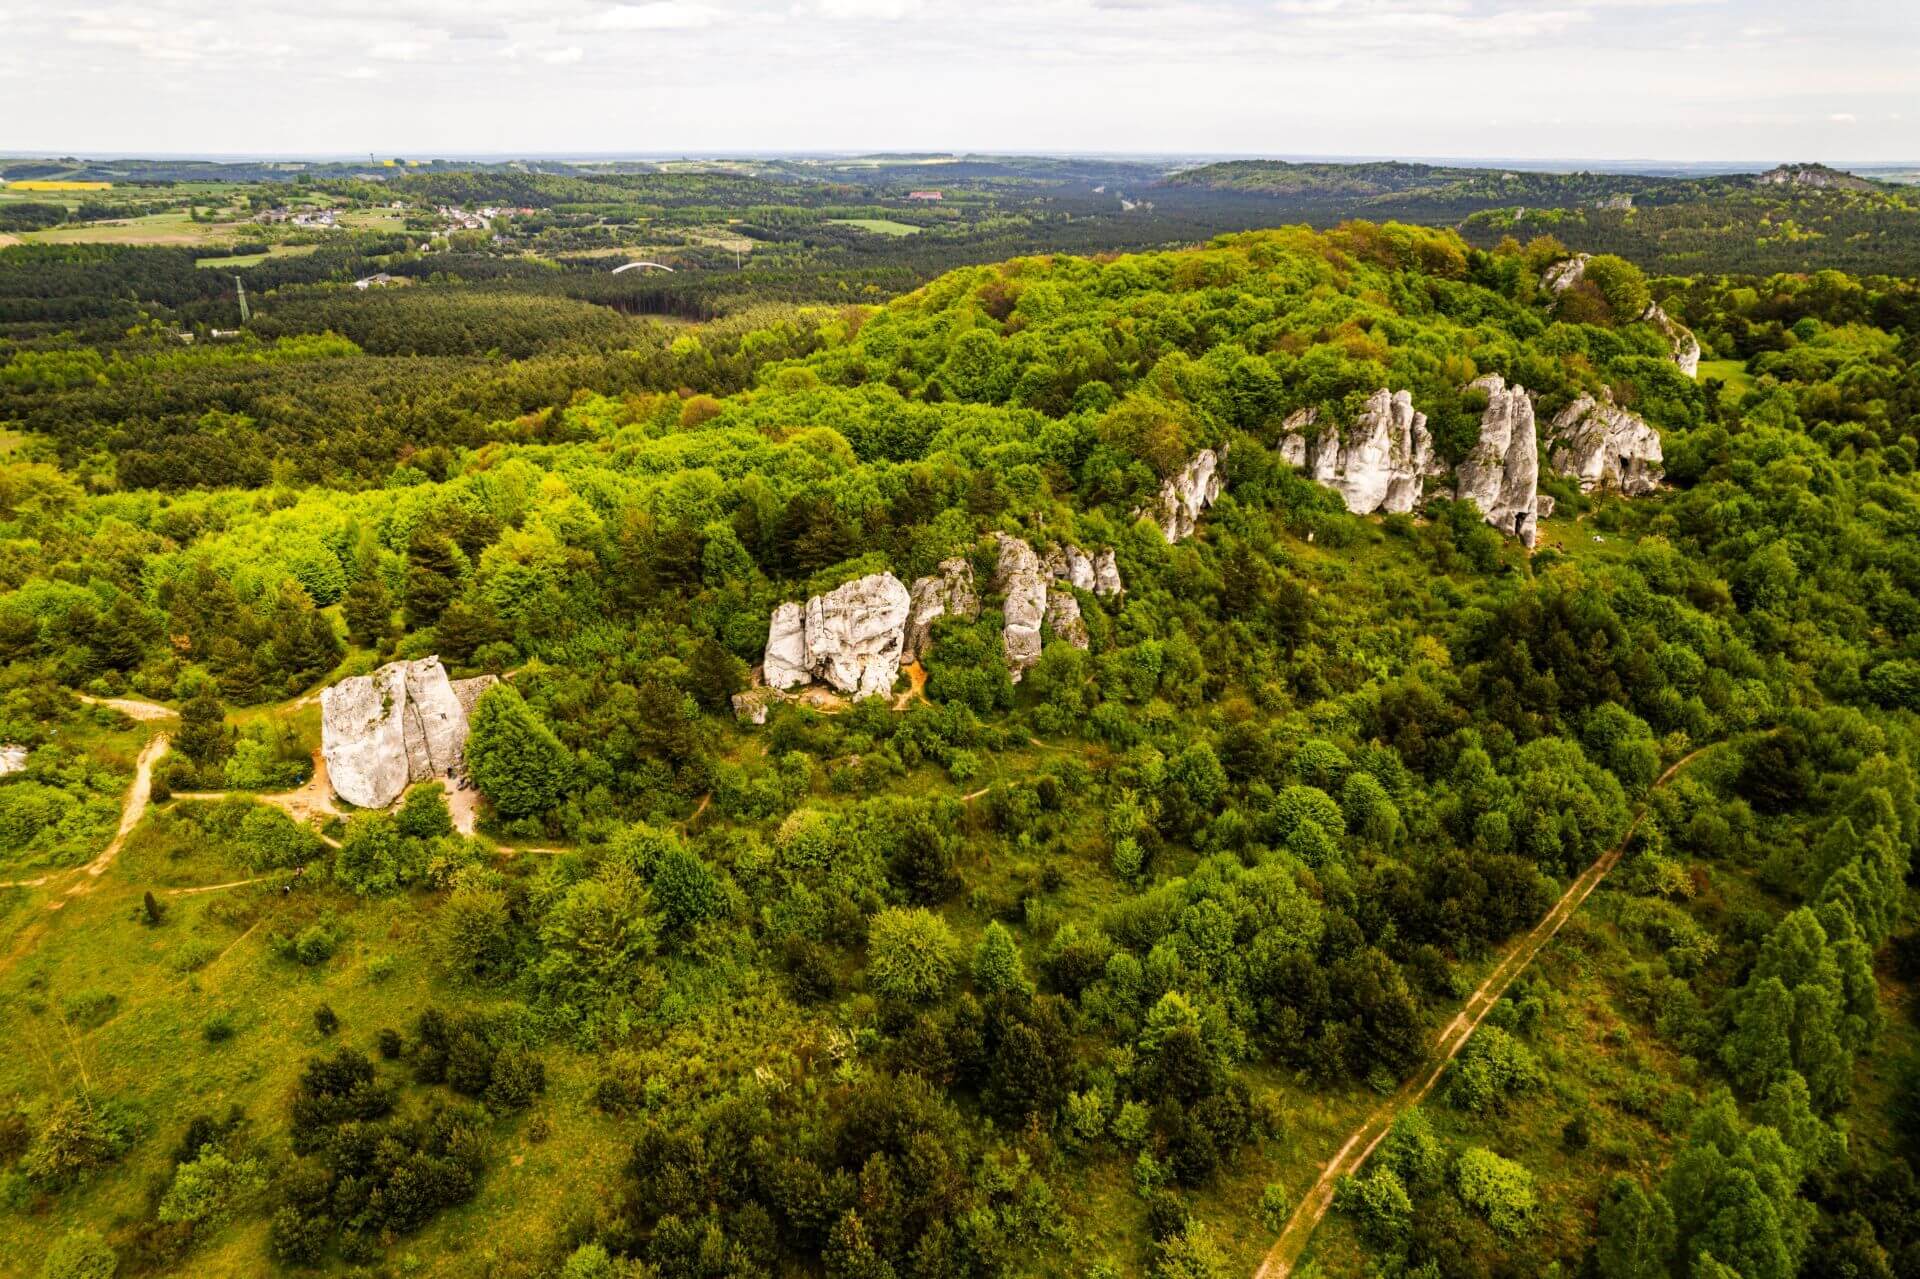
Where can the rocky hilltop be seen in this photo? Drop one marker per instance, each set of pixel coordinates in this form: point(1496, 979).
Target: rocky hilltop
point(405, 723)
point(1682, 347)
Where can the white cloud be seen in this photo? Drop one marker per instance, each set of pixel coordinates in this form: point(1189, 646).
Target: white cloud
point(665, 15)
point(860, 10)
point(563, 57)
point(401, 50)
point(1844, 117)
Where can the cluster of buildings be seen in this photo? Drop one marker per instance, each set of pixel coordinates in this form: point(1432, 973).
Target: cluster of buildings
point(459, 219)
point(315, 219)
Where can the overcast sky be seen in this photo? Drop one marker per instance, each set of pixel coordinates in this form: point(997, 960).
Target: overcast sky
point(1835, 80)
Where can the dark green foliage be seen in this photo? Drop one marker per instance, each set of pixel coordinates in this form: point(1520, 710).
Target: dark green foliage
point(514, 758)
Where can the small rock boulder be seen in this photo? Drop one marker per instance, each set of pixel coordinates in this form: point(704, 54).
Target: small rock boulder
point(1501, 474)
point(751, 706)
point(1106, 575)
point(1605, 447)
point(1064, 620)
point(947, 593)
point(1566, 273)
point(13, 759)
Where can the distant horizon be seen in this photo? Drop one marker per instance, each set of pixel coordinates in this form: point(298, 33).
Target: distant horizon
point(694, 155)
point(1632, 82)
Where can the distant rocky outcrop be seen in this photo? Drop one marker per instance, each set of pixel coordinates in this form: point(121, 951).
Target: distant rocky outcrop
point(947, 593)
point(1501, 474)
point(13, 759)
point(1378, 462)
point(1683, 347)
point(750, 707)
point(404, 723)
point(1185, 494)
point(851, 637)
point(1817, 177)
point(1605, 447)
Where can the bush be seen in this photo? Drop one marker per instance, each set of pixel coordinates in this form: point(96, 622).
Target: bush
point(513, 757)
point(80, 1254)
point(375, 857)
point(1491, 1068)
point(1498, 1189)
point(911, 956)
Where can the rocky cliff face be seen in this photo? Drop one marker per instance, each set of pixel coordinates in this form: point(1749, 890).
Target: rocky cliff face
point(1186, 494)
point(1683, 347)
point(851, 637)
point(405, 723)
point(1023, 588)
point(947, 593)
point(1501, 475)
point(1379, 462)
point(1605, 447)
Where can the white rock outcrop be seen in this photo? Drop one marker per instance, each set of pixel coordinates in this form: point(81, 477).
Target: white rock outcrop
point(1023, 590)
point(404, 723)
point(1106, 575)
point(1064, 620)
point(1186, 494)
point(1566, 273)
point(947, 593)
point(1605, 447)
point(1501, 474)
point(750, 707)
point(1099, 574)
point(1381, 461)
point(851, 637)
point(1683, 346)
point(13, 759)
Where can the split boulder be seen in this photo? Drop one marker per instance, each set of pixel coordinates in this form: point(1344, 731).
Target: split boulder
point(851, 637)
point(402, 724)
point(1501, 475)
point(1604, 446)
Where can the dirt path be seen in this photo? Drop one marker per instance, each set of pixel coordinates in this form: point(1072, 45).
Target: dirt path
point(131, 811)
point(131, 707)
point(916, 685)
point(1295, 1235)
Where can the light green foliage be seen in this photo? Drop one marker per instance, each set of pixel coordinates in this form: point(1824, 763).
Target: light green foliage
point(1636, 1233)
point(1493, 1067)
point(911, 955)
point(1498, 1189)
point(997, 966)
point(376, 857)
point(1378, 1202)
point(209, 1188)
point(595, 944)
point(80, 1254)
point(423, 814)
point(1191, 1254)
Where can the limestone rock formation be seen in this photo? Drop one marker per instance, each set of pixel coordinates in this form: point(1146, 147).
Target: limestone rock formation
point(1293, 437)
point(1566, 273)
point(851, 637)
point(469, 690)
point(1186, 494)
point(1683, 346)
point(948, 593)
point(1097, 573)
point(404, 723)
point(1605, 447)
point(1023, 588)
point(1501, 475)
point(1064, 620)
point(13, 759)
point(1381, 461)
point(785, 662)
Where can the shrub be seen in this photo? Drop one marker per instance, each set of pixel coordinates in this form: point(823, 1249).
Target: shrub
point(77, 1138)
point(910, 955)
point(1491, 1068)
point(513, 757)
point(325, 1020)
point(80, 1254)
point(1498, 1189)
point(1378, 1203)
point(219, 1028)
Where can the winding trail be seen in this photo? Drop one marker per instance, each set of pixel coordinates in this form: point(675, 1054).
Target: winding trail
point(131, 707)
point(1295, 1235)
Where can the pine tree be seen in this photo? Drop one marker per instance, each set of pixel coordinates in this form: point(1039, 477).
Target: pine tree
point(368, 607)
point(514, 758)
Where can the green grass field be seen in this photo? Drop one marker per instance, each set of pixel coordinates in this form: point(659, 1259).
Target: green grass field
point(254, 259)
point(1732, 372)
point(879, 226)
